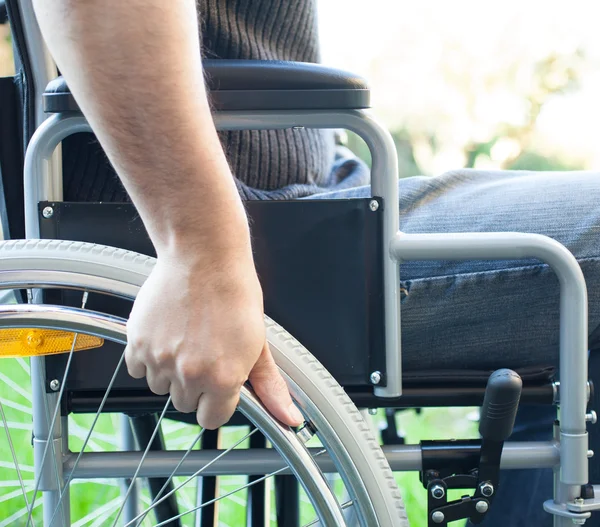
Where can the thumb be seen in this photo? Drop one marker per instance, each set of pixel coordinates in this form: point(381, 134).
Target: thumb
point(271, 389)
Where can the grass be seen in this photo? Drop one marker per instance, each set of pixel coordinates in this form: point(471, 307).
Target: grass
point(92, 500)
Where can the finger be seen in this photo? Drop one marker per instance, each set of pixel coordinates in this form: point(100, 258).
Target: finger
point(272, 390)
point(160, 384)
point(135, 367)
point(216, 408)
point(184, 399)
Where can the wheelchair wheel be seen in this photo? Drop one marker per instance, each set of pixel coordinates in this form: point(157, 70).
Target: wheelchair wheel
point(336, 432)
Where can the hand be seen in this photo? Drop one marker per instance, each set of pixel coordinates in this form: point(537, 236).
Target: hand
point(197, 331)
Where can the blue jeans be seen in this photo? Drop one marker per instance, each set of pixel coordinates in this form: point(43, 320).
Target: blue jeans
point(497, 313)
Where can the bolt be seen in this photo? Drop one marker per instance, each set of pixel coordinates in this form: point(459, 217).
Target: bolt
point(372, 411)
point(579, 521)
point(487, 489)
point(591, 417)
point(375, 377)
point(296, 128)
point(437, 517)
point(579, 501)
point(481, 506)
point(48, 212)
point(374, 205)
point(54, 385)
point(590, 454)
point(438, 492)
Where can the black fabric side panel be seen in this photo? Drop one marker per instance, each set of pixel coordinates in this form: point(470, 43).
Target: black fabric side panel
point(11, 161)
point(311, 258)
point(3, 12)
point(24, 76)
point(25, 104)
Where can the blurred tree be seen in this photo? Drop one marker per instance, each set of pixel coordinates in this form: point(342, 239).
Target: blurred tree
point(508, 144)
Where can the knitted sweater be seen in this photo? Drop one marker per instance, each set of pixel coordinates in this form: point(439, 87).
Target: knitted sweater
point(269, 164)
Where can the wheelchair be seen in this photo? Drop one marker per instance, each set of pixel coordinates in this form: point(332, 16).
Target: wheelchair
point(79, 265)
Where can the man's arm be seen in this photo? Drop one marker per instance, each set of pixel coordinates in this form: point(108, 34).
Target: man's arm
point(197, 326)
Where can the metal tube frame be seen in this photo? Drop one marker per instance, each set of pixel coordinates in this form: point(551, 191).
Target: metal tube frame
point(43, 70)
point(40, 185)
point(516, 455)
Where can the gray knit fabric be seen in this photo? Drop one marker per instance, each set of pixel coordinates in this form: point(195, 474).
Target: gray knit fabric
point(281, 164)
point(269, 30)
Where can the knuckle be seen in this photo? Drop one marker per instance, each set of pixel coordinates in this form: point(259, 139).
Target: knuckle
point(134, 371)
point(190, 370)
point(163, 356)
point(135, 342)
point(226, 381)
point(158, 388)
point(185, 407)
point(209, 424)
point(211, 421)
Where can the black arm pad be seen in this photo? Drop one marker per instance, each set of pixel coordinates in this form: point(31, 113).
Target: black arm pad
point(258, 85)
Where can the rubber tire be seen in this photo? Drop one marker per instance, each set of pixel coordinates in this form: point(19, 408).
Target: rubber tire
point(293, 359)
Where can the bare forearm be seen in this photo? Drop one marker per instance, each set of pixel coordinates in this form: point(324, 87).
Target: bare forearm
point(134, 67)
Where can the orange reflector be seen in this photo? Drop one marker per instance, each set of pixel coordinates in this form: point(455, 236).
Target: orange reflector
point(34, 342)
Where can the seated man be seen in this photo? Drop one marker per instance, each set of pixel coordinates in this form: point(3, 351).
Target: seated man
point(196, 329)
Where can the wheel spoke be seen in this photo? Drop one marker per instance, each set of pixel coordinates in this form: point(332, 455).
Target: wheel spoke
point(343, 506)
point(89, 435)
point(156, 429)
point(194, 475)
point(50, 439)
point(227, 494)
point(160, 492)
point(14, 456)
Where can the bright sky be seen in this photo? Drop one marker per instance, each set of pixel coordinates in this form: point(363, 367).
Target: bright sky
point(459, 66)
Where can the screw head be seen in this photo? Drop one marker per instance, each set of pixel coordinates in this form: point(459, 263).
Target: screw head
point(438, 492)
point(375, 377)
point(54, 385)
point(591, 417)
point(374, 205)
point(481, 506)
point(578, 521)
point(47, 212)
point(579, 501)
point(487, 489)
point(372, 411)
point(437, 517)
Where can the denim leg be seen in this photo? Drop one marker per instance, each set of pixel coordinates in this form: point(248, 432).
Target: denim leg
point(497, 313)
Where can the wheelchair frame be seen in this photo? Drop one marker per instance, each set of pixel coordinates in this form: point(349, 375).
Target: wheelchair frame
point(567, 454)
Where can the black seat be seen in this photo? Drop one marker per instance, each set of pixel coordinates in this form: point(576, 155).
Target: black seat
point(258, 85)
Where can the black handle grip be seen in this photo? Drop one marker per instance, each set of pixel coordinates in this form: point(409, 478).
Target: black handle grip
point(500, 405)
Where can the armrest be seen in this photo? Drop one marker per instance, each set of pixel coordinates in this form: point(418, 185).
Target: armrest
point(258, 85)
